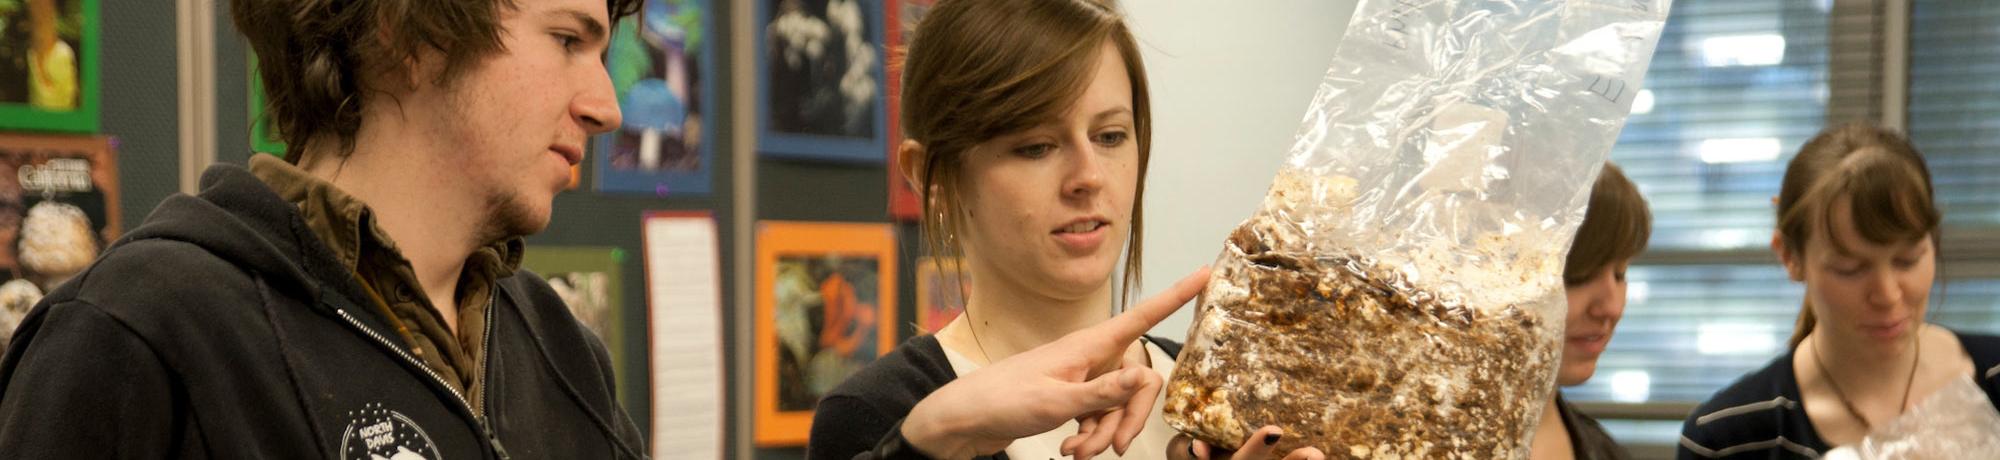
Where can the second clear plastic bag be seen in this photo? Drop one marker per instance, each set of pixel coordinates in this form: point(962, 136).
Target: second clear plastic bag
point(1956, 422)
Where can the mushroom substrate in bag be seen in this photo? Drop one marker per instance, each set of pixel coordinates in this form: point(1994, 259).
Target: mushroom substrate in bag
point(1398, 294)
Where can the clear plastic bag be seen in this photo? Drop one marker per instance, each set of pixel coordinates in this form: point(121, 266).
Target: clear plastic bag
point(1399, 292)
point(1956, 422)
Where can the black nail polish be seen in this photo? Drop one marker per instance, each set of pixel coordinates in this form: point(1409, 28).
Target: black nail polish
point(1271, 439)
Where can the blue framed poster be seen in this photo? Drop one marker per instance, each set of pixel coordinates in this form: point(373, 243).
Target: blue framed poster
point(662, 63)
point(820, 86)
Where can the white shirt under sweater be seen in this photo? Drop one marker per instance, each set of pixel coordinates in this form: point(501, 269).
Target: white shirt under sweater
point(1151, 443)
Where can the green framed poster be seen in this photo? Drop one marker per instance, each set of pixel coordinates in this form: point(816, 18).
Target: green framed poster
point(51, 82)
point(588, 280)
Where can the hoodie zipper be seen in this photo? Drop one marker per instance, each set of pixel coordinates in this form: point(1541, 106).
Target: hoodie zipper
point(486, 356)
point(479, 418)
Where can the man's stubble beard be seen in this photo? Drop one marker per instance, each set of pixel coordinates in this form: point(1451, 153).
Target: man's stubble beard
point(508, 215)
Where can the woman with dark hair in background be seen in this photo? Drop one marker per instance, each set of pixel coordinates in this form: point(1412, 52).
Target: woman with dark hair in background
point(1614, 230)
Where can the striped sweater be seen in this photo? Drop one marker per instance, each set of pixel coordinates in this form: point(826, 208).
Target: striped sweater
point(1760, 416)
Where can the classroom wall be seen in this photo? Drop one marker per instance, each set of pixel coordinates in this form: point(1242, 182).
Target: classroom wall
point(1230, 82)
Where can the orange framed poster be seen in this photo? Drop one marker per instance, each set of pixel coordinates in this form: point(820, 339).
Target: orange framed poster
point(826, 307)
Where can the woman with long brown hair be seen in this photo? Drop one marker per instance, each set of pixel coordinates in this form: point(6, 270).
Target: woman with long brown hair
point(1858, 225)
point(1029, 130)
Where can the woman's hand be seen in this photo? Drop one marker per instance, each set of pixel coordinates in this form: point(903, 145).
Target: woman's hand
point(1038, 390)
point(1257, 447)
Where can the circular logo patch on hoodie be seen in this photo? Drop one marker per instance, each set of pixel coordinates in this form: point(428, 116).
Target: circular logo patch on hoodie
point(375, 433)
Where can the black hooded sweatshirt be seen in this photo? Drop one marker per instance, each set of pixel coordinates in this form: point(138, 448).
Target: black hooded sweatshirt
point(223, 328)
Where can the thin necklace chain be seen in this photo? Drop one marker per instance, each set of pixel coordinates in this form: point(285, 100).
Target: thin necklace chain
point(1908, 382)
